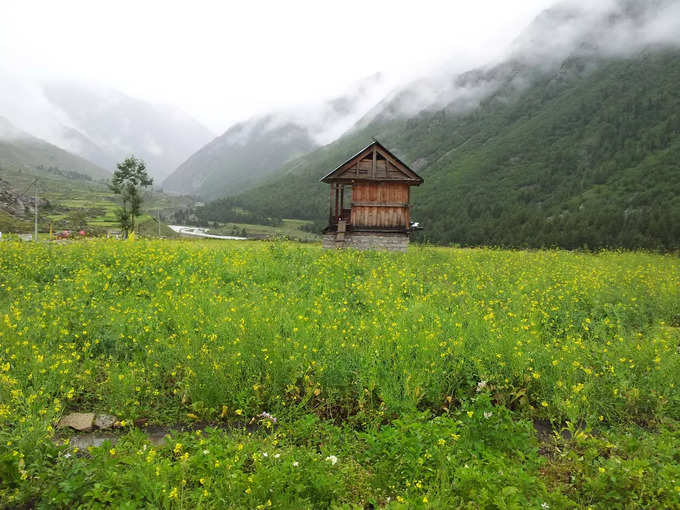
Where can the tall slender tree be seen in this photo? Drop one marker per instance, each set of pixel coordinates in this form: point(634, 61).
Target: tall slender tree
point(127, 181)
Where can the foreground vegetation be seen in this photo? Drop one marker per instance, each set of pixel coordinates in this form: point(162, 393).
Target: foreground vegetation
point(298, 378)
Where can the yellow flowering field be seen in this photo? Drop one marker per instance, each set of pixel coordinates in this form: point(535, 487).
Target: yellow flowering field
point(292, 377)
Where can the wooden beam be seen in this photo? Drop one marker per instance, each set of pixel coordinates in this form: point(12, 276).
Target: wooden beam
point(408, 212)
point(336, 200)
point(342, 199)
point(349, 164)
point(373, 167)
point(397, 165)
point(381, 204)
point(368, 178)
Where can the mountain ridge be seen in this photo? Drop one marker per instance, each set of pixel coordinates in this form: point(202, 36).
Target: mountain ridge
point(518, 154)
point(22, 151)
point(120, 125)
point(252, 150)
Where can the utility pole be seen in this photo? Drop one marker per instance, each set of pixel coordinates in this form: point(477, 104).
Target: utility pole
point(35, 229)
point(35, 206)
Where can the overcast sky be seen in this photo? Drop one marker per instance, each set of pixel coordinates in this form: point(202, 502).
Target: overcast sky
point(225, 61)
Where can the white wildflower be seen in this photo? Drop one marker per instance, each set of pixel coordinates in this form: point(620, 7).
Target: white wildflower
point(266, 416)
point(488, 414)
point(481, 385)
point(332, 459)
point(296, 464)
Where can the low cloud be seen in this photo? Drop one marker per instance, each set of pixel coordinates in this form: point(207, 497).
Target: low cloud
point(608, 28)
point(327, 120)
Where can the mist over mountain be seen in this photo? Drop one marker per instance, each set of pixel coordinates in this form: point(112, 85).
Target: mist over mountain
point(240, 157)
point(254, 149)
point(120, 125)
point(569, 138)
point(570, 29)
point(572, 139)
point(99, 124)
point(20, 151)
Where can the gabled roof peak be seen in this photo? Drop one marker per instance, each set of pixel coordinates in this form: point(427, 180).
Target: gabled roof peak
point(393, 170)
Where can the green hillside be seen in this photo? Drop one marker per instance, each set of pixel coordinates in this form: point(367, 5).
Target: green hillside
point(75, 203)
point(253, 150)
point(585, 155)
point(237, 159)
point(21, 151)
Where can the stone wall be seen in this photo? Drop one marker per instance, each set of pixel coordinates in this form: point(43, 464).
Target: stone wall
point(390, 241)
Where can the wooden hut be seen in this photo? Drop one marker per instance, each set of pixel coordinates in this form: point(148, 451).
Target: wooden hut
point(370, 201)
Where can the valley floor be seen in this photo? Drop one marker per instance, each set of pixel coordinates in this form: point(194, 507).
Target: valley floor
point(283, 376)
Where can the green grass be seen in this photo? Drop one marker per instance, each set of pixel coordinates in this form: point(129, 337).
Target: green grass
point(290, 229)
point(9, 223)
point(397, 380)
point(92, 199)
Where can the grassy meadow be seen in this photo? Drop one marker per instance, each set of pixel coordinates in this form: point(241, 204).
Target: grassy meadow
point(291, 229)
point(292, 377)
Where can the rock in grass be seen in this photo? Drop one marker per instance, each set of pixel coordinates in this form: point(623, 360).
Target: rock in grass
point(104, 421)
point(78, 421)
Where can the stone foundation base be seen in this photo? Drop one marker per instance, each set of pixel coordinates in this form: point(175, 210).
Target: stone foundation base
point(390, 241)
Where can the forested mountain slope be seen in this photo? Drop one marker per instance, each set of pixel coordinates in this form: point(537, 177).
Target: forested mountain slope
point(587, 154)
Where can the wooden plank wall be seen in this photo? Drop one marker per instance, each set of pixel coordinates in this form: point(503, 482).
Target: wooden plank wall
point(391, 204)
point(364, 168)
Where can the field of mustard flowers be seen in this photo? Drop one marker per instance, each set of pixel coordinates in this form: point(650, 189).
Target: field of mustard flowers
point(290, 377)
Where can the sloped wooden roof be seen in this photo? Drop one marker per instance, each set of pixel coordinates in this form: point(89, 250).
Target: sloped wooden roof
point(366, 165)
